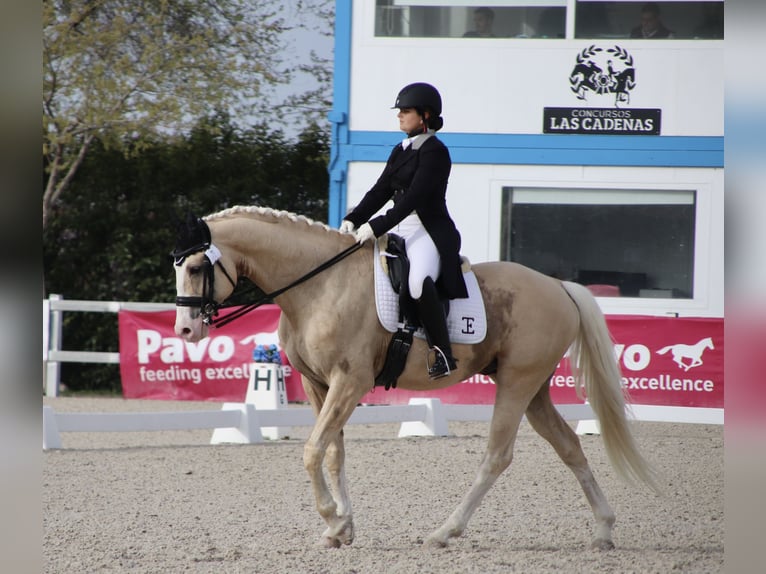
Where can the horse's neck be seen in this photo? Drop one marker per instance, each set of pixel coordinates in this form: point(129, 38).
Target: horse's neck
point(275, 255)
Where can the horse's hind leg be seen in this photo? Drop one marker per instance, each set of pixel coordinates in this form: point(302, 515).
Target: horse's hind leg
point(547, 421)
point(510, 404)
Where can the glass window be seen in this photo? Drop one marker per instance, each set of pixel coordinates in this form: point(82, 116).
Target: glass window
point(681, 19)
point(627, 243)
point(445, 19)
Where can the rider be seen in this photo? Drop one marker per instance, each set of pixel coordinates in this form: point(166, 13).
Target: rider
point(415, 178)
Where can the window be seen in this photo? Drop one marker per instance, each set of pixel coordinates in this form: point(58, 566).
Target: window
point(681, 19)
point(546, 19)
point(445, 19)
point(626, 243)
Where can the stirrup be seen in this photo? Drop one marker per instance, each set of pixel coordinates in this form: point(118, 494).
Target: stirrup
point(442, 366)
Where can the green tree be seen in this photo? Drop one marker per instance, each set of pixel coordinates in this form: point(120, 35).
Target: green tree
point(122, 71)
point(112, 237)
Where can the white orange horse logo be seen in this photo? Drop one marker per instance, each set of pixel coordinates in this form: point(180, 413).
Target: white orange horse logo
point(693, 352)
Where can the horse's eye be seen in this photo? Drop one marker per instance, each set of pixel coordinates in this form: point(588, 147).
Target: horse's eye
point(194, 270)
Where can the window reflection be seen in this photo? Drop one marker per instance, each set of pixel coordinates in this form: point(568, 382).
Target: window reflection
point(621, 244)
point(696, 19)
point(649, 20)
point(402, 19)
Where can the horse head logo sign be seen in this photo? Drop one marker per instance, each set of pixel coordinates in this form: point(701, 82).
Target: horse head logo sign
point(691, 352)
point(605, 74)
point(603, 71)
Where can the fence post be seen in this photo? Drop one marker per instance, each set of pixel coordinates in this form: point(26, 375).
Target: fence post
point(51, 436)
point(247, 432)
point(435, 423)
point(52, 368)
point(588, 426)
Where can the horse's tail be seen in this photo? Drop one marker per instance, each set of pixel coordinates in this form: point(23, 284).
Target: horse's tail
point(664, 350)
point(597, 372)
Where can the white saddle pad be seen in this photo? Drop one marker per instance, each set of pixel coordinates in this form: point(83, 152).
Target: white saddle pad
point(467, 320)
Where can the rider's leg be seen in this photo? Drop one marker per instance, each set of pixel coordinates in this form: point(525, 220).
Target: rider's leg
point(431, 311)
point(424, 267)
point(424, 260)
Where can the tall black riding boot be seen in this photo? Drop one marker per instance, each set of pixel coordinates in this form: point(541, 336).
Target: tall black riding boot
point(434, 322)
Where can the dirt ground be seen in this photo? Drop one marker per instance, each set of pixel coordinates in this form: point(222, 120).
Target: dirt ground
point(169, 502)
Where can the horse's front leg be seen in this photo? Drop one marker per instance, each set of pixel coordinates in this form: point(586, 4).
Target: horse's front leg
point(336, 453)
point(326, 440)
point(335, 463)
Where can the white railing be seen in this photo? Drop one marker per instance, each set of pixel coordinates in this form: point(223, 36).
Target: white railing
point(53, 320)
point(242, 422)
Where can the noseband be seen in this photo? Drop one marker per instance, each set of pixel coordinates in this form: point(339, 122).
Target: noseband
point(208, 306)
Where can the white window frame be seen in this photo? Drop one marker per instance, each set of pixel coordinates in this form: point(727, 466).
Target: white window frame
point(705, 252)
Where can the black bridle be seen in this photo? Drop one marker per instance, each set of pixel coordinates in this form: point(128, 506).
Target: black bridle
point(206, 303)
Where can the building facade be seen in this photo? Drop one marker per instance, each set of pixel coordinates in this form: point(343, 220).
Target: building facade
point(580, 147)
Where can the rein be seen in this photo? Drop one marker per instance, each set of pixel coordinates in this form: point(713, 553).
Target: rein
point(209, 308)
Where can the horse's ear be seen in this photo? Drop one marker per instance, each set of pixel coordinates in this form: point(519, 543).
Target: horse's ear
point(192, 235)
point(186, 228)
point(176, 222)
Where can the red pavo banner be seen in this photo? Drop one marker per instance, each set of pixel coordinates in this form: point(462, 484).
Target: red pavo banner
point(664, 361)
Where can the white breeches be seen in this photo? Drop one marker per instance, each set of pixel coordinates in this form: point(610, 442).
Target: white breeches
point(423, 255)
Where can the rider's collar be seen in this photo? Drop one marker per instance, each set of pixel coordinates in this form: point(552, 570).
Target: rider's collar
point(417, 140)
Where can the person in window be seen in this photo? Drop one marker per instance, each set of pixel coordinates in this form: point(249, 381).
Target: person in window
point(651, 24)
point(552, 22)
point(483, 20)
point(711, 25)
point(415, 178)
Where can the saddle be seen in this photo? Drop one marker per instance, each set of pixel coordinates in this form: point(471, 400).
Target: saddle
point(397, 266)
point(398, 271)
point(397, 312)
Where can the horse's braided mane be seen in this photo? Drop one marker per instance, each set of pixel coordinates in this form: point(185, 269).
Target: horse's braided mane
point(268, 213)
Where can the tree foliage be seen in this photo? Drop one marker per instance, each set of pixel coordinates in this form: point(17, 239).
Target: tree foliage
point(124, 85)
point(112, 238)
point(122, 72)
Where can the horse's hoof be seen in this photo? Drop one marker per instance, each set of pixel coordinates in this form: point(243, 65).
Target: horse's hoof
point(335, 537)
point(329, 542)
point(345, 535)
point(434, 542)
point(346, 539)
point(602, 544)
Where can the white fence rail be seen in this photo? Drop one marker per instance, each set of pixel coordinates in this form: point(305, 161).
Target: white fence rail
point(53, 321)
point(242, 422)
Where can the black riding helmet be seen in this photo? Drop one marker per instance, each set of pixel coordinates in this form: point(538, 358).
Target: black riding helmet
point(421, 96)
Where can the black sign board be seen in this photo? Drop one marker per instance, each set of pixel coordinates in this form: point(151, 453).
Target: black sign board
point(612, 121)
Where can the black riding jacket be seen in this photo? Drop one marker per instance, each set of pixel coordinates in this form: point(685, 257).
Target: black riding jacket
point(416, 180)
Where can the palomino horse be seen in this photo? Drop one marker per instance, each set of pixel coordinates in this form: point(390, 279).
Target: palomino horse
point(331, 334)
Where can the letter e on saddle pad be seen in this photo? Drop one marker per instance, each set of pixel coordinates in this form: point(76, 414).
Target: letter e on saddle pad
point(467, 319)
